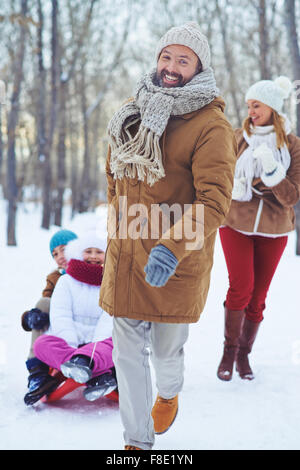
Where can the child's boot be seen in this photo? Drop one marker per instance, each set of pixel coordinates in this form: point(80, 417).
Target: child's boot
point(78, 368)
point(40, 383)
point(100, 386)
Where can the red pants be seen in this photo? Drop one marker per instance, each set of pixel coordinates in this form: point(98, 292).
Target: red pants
point(251, 262)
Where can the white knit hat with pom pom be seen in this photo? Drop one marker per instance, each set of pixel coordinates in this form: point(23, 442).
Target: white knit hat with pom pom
point(271, 93)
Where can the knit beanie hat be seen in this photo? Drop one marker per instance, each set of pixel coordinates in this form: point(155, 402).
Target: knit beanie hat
point(189, 35)
point(271, 93)
point(62, 237)
point(91, 239)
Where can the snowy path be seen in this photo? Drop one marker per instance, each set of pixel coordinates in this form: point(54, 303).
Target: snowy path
point(263, 414)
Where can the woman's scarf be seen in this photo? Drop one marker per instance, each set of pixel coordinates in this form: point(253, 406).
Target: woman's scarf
point(249, 167)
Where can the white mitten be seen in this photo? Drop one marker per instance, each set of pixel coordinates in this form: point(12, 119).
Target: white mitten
point(239, 188)
point(273, 171)
point(265, 155)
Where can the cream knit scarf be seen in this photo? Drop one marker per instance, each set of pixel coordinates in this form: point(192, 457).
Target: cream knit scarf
point(153, 105)
point(248, 167)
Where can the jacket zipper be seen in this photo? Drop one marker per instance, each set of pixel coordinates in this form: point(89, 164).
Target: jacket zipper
point(258, 215)
point(131, 264)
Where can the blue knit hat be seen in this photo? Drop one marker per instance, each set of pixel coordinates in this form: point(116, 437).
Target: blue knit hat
point(62, 237)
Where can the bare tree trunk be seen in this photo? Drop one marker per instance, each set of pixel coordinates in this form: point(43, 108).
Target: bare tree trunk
point(85, 189)
point(41, 102)
point(64, 80)
point(61, 154)
point(47, 177)
point(290, 15)
point(1, 144)
point(294, 47)
point(263, 41)
point(229, 62)
point(95, 173)
point(108, 79)
point(73, 131)
point(12, 187)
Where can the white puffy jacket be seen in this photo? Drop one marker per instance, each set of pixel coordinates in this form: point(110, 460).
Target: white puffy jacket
point(75, 314)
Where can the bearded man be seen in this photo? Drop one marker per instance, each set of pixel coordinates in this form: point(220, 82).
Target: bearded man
point(170, 147)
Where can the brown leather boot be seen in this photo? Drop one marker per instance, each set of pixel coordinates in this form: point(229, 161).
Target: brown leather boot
point(233, 325)
point(247, 338)
point(164, 413)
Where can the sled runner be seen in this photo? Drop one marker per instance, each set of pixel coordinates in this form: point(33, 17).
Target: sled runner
point(69, 385)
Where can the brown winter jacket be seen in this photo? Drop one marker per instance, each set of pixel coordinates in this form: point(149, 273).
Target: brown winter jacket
point(199, 154)
point(51, 281)
point(270, 212)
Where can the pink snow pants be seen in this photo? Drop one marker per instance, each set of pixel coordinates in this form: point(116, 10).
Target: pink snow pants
point(55, 351)
point(251, 262)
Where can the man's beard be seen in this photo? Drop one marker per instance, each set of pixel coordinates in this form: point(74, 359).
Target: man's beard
point(160, 82)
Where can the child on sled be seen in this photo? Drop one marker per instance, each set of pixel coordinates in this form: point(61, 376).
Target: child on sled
point(36, 320)
point(78, 342)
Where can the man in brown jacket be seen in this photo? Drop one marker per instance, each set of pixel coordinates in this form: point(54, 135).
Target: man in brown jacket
point(170, 173)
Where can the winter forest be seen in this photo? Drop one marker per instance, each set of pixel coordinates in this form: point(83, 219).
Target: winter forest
point(67, 65)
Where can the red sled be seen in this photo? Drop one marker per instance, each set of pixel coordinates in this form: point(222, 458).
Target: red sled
point(69, 385)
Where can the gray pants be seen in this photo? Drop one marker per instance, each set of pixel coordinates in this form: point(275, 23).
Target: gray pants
point(134, 341)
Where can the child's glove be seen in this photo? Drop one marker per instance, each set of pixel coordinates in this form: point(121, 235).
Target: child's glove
point(273, 171)
point(35, 319)
point(239, 188)
point(161, 265)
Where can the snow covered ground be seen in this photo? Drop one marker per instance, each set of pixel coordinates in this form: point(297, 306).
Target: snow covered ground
point(261, 415)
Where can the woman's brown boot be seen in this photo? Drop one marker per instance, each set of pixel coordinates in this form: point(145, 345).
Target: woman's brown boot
point(233, 325)
point(247, 338)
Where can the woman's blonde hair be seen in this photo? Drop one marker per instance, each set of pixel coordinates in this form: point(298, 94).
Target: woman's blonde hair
point(278, 123)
